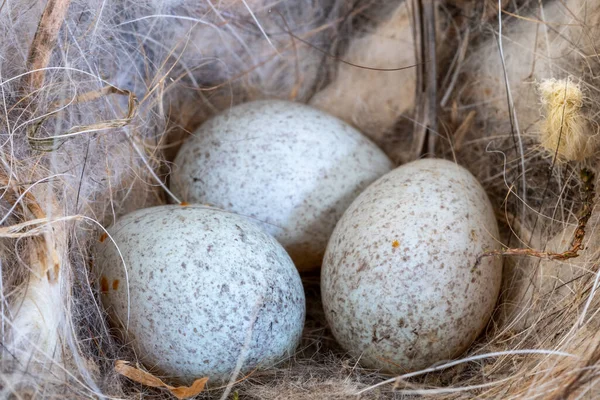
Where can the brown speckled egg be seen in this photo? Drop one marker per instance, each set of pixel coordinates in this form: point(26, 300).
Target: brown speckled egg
point(400, 285)
point(288, 165)
point(200, 289)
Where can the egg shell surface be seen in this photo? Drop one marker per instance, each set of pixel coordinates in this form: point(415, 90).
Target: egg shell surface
point(199, 288)
point(288, 165)
point(399, 284)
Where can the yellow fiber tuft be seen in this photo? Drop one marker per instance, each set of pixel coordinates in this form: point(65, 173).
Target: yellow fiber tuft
point(565, 131)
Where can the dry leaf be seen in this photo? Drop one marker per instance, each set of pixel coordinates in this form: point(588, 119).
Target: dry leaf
point(184, 392)
point(137, 375)
point(146, 378)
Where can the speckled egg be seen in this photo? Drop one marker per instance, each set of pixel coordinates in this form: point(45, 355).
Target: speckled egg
point(290, 166)
point(400, 284)
point(200, 289)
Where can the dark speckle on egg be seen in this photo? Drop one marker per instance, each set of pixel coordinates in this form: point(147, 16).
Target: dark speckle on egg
point(398, 285)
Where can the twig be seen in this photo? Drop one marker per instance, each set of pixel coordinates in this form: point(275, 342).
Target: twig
point(431, 73)
point(50, 143)
point(424, 33)
point(461, 131)
point(514, 122)
point(587, 181)
point(462, 52)
point(44, 41)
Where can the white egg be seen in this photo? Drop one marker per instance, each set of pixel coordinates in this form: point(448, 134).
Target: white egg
point(200, 289)
point(286, 164)
point(400, 285)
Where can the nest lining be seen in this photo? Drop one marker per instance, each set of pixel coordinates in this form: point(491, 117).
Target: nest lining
point(97, 99)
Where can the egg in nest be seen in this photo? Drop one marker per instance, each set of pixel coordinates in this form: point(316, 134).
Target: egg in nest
point(196, 290)
point(400, 281)
point(290, 166)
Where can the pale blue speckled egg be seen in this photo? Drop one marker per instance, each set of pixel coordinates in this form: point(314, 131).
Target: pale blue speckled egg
point(288, 165)
point(199, 289)
point(400, 284)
